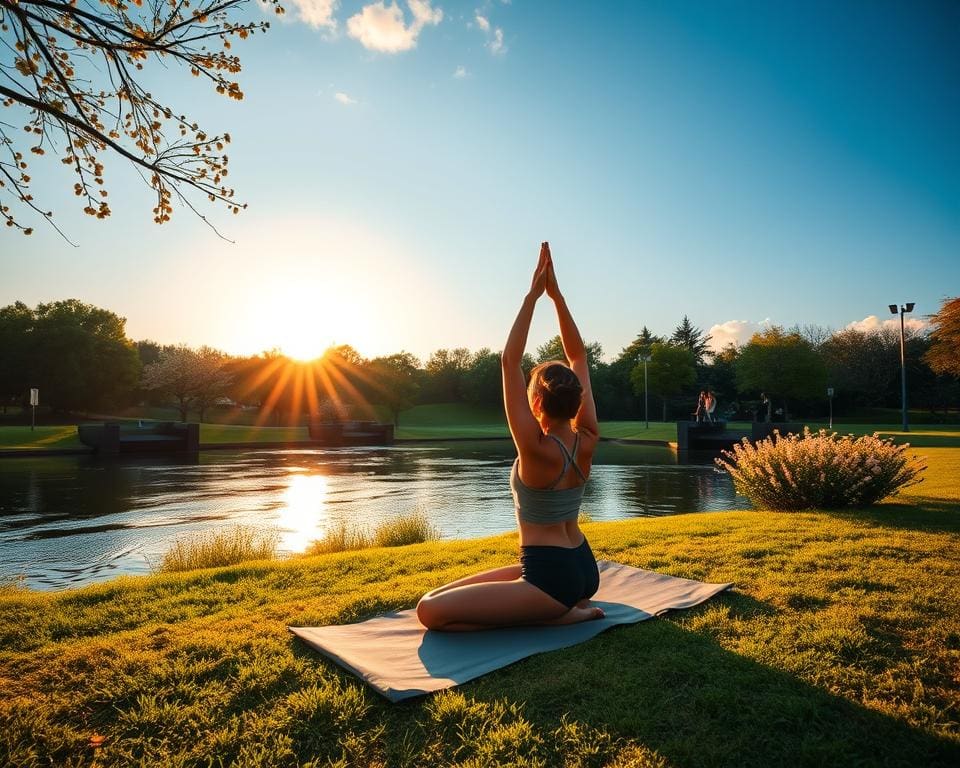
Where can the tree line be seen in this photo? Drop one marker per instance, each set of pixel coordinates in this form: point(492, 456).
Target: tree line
point(81, 359)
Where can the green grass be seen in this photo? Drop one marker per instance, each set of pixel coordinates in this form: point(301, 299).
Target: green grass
point(413, 528)
point(216, 548)
point(42, 437)
point(920, 436)
point(451, 420)
point(840, 646)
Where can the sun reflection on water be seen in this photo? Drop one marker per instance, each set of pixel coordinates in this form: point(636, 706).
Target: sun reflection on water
point(303, 516)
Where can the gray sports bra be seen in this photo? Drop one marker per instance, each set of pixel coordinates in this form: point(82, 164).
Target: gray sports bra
point(549, 505)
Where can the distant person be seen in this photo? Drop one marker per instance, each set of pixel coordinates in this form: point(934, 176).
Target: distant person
point(553, 421)
point(700, 414)
point(709, 405)
point(763, 410)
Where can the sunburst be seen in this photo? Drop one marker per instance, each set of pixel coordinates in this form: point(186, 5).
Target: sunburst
point(333, 382)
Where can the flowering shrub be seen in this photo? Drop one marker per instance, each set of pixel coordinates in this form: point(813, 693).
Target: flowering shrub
point(820, 470)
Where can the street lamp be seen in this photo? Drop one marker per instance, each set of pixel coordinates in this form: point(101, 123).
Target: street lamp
point(646, 390)
point(903, 309)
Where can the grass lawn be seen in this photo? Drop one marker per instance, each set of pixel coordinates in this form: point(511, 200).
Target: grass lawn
point(451, 420)
point(922, 435)
point(41, 437)
point(840, 646)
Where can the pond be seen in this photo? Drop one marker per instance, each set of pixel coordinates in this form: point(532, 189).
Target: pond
point(72, 520)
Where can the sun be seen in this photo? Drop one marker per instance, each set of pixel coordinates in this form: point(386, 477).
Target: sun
point(302, 346)
point(302, 321)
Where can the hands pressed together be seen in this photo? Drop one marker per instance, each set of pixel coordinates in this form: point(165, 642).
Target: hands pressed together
point(544, 277)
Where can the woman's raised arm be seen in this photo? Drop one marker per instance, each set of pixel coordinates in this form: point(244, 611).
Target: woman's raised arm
point(575, 351)
point(523, 426)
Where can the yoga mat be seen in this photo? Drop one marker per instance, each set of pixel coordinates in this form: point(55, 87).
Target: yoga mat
point(401, 659)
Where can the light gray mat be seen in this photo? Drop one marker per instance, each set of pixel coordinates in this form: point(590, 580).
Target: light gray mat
point(400, 659)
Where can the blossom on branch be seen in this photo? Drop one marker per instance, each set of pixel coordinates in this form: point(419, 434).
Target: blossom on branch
point(71, 84)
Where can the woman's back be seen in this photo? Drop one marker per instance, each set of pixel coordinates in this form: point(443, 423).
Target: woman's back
point(548, 486)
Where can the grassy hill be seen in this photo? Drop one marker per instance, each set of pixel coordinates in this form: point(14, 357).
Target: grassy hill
point(839, 646)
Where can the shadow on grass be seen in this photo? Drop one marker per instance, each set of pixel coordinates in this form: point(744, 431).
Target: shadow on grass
point(679, 693)
point(925, 441)
point(918, 513)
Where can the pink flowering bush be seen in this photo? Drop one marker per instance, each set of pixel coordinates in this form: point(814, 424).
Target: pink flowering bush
point(820, 470)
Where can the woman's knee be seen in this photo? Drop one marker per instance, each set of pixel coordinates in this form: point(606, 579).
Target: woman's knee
point(427, 613)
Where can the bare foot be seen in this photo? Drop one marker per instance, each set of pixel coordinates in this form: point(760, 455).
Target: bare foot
point(582, 611)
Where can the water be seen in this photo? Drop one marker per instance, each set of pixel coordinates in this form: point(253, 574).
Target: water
point(72, 520)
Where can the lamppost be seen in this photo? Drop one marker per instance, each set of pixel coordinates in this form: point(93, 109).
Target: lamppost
point(646, 390)
point(903, 309)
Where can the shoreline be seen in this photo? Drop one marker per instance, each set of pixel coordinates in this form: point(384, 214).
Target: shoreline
point(11, 453)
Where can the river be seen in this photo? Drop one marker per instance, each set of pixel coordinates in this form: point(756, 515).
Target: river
point(72, 520)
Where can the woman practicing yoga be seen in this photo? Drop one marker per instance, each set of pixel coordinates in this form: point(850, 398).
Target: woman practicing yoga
point(554, 426)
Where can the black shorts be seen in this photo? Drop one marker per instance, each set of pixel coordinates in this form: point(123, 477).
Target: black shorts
point(567, 574)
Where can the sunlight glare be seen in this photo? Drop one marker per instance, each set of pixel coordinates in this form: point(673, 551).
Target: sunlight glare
point(303, 516)
point(304, 320)
point(328, 282)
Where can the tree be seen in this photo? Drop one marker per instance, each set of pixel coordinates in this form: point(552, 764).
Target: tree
point(148, 351)
point(863, 367)
point(16, 323)
point(483, 379)
point(211, 378)
point(77, 354)
point(75, 77)
point(254, 377)
point(943, 357)
point(817, 335)
point(553, 350)
point(639, 347)
point(782, 365)
point(670, 370)
point(194, 378)
point(689, 336)
point(341, 383)
point(720, 376)
point(619, 400)
point(393, 382)
point(444, 375)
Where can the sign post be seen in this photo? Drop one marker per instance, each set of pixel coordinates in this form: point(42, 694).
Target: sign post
point(34, 402)
point(830, 395)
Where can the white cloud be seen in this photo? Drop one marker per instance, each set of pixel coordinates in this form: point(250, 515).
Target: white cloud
point(496, 45)
point(494, 35)
point(423, 14)
point(379, 27)
point(737, 332)
point(460, 72)
point(344, 98)
point(317, 13)
point(873, 323)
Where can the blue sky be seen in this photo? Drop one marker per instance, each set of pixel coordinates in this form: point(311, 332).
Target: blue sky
point(738, 162)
